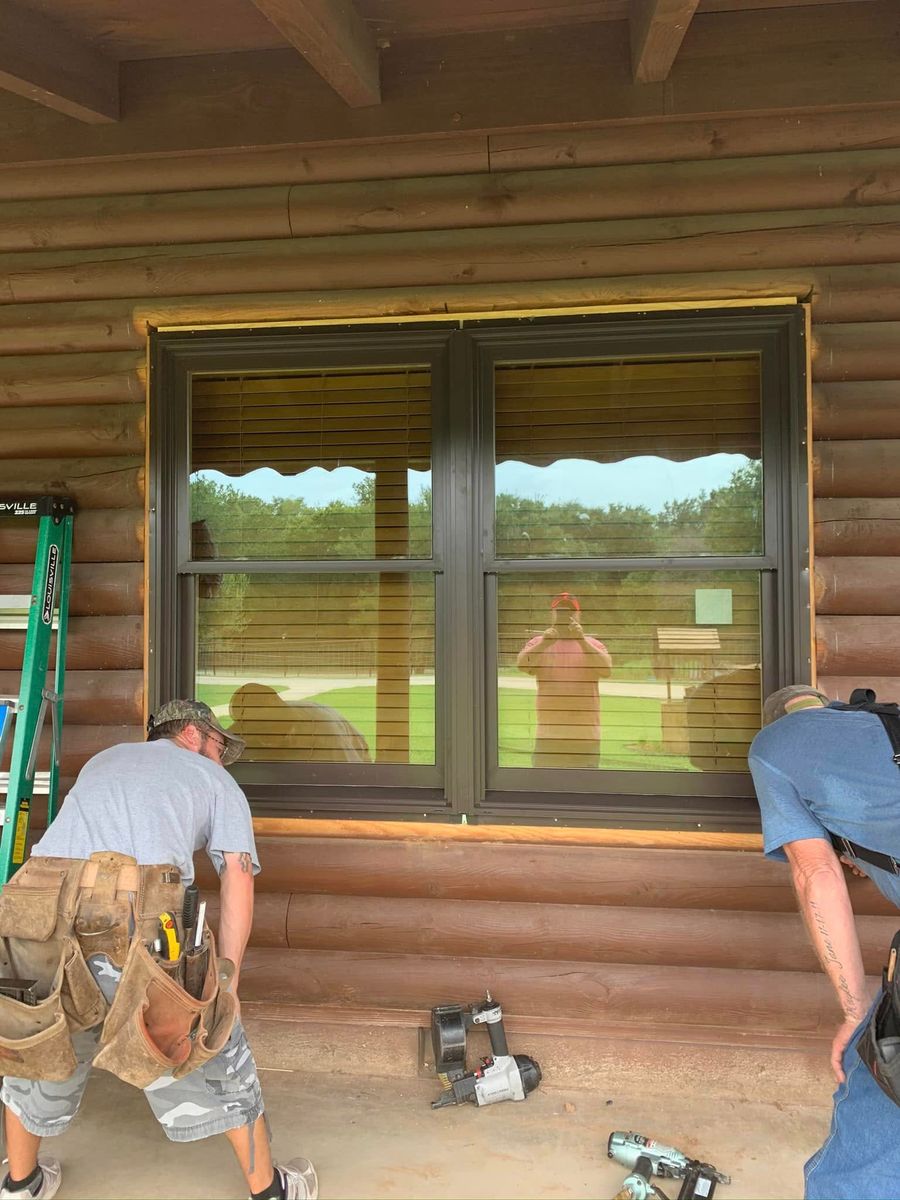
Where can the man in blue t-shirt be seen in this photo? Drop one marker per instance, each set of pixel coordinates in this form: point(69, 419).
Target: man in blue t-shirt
point(821, 768)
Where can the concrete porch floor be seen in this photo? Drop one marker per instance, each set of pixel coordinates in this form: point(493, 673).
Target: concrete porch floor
point(373, 1137)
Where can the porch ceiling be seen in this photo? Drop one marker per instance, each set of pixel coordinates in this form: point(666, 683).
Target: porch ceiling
point(67, 54)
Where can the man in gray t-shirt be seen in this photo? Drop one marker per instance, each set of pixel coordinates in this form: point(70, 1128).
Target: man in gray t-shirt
point(160, 801)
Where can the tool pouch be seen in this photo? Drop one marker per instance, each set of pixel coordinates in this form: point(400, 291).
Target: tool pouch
point(156, 1028)
point(36, 942)
point(103, 920)
point(879, 1046)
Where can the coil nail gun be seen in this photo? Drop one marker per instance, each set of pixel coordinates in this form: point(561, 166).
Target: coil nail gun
point(502, 1076)
point(634, 1151)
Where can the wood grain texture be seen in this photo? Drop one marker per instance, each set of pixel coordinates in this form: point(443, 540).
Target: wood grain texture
point(45, 62)
point(853, 585)
point(72, 379)
point(857, 409)
point(570, 932)
point(802, 239)
point(98, 589)
point(563, 873)
point(856, 469)
point(94, 644)
point(99, 536)
point(858, 645)
point(73, 431)
point(856, 352)
point(832, 56)
point(486, 200)
point(94, 697)
point(789, 1001)
point(334, 40)
point(91, 482)
point(856, 526)
point(657, 29)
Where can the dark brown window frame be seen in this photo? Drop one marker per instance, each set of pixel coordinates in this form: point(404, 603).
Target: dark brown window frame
point(464, 782)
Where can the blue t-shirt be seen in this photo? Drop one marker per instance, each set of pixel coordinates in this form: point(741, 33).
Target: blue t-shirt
point(829, 769)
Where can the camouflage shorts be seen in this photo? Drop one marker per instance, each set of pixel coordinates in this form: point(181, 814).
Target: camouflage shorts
point(223, 1094)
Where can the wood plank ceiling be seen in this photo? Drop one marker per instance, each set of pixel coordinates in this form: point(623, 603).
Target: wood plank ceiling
point(65, 54)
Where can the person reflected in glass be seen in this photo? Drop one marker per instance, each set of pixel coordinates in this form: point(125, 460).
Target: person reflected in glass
point(567, 665)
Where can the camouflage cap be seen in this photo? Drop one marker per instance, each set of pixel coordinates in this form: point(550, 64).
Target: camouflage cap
point(197, 713)
point(775, 705)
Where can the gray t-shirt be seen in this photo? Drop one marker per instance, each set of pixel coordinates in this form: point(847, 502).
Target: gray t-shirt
point(155, 801)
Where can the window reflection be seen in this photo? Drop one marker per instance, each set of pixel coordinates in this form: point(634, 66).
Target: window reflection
point(629, 670)
point(624, 459)
point(321, 668)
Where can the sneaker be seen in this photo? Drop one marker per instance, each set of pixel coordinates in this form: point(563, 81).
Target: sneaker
point(298, 1177)
point(52, 1173)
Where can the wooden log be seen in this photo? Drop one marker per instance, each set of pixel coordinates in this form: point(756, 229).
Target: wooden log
point(574, 932)
point(858, 645)
point(857, 469)
point(838, 180)
point(853, 585)
point(231, 215)
point(857, 526)
point(70, 329)
point(98, 589)
point(722, 137)
point(99, 535)
point(856, 410)
point(870, 351)
point(562, 874)
point(840, 687)
point(73, 379)
point(788, 1001)
point(94, 697)
point(74, 431)
point(94, 644)
point(807, 238)
point(91, 482)
point(260, 166)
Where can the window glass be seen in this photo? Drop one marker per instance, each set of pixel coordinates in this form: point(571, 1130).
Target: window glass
point(636, 670)
point(628, 458)
point(318, 667)
point(331, 464)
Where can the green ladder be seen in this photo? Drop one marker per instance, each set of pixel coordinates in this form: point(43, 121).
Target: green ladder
point(25, 715)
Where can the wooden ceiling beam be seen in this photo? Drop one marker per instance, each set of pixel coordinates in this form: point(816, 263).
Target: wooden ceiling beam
point(335, 41)
point(657, 30)
point(44, 62)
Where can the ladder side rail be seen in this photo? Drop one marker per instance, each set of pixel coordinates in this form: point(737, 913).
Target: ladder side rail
point(62, 628)
point(20, 789)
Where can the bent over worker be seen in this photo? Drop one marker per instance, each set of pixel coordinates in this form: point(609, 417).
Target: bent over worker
point(121, 847)
point(823, 769)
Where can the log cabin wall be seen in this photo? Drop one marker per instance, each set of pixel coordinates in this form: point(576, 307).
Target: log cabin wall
point(656, 213)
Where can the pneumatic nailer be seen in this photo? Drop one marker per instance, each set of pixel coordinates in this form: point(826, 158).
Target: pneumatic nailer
point(645, 1158)
point(501, 1076)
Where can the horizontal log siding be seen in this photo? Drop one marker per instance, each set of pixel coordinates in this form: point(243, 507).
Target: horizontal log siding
point(347, 924)
point(658, 213)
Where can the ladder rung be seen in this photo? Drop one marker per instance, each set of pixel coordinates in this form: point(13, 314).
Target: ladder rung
point(15, 601)
point(41, 782)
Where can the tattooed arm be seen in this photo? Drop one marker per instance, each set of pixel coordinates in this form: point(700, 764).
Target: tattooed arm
point(235, 909)
point(825, 905)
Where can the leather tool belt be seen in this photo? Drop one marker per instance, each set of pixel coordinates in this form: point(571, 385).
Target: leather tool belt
point(879, 1046)
point(55, 913)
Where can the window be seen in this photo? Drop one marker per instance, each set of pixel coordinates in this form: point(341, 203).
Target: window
point(516, 570)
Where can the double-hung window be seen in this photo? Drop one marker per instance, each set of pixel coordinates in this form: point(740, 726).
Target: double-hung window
point(509, 569)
